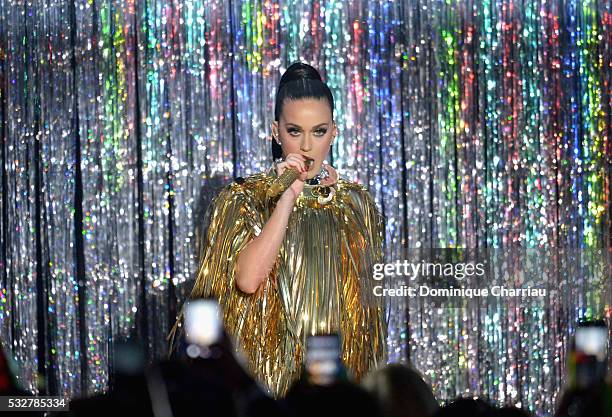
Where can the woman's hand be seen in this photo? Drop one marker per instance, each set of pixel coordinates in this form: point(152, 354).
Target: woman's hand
point(297, 162)
point(258, 257)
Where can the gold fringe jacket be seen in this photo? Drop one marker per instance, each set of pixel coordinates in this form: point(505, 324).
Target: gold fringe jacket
point(321, 283)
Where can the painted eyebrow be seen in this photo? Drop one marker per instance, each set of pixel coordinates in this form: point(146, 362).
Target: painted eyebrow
point(299, 127)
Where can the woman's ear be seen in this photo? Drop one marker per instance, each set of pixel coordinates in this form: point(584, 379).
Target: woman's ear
point(274, 128)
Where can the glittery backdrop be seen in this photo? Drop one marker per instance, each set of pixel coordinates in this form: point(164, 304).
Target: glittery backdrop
point(482, 124)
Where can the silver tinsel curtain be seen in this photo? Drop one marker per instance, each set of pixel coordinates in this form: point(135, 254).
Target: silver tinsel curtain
point(480, 124)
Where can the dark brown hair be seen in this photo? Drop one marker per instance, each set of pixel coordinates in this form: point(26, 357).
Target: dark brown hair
point(300, 81)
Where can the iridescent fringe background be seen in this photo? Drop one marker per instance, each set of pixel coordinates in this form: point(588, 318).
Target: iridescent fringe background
point(482, 124)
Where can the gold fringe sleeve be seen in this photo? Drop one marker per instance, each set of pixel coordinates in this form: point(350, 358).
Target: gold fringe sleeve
point(364, 327)
point(253, 320)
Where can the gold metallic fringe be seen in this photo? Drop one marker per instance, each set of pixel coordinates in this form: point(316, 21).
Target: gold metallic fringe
point(321, 283)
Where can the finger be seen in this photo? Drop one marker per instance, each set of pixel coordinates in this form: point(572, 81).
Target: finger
point(283, 166)
point(305, 159)
point(297, 164)
point(280, 168)
point(299, 159)
point(296, 155)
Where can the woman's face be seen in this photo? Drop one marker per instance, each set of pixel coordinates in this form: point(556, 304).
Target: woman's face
point(306, 127)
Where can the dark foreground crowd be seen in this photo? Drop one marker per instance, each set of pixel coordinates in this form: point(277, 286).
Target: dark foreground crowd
point(218, 386)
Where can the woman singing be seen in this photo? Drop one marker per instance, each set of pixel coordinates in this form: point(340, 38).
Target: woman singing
point(300, 263)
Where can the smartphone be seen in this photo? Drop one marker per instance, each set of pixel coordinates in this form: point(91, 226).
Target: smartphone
point(203, 322)
point(323, 363)
point(592, 339)
point(588, 359)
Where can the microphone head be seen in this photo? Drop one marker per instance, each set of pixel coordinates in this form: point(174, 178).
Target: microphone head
point(309, 162)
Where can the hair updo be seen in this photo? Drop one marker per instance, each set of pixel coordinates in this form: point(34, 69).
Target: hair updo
point(300, 81)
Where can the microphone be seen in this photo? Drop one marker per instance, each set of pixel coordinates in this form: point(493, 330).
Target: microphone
point(284, 181)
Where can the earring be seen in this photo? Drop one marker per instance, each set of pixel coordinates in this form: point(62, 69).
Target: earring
point(276, 138)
